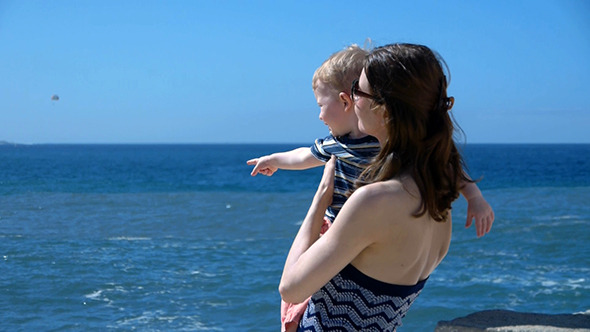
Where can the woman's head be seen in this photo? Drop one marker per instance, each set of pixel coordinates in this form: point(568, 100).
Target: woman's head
point(415, 130)
point(409, 83)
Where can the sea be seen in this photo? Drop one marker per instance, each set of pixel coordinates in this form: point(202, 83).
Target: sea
point(158, 237)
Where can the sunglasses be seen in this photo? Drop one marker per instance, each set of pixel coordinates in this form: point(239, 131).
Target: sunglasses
point(356, 92)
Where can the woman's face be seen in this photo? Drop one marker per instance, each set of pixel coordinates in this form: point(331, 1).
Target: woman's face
point(371, 120)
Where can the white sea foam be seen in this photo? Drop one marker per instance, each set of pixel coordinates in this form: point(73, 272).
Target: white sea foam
point(549, 283)
point(204, 274)
point(566, 217)
point(217, 304)
point(129, 238)
point(152, 317)
point(576, 281)
point(94, 295)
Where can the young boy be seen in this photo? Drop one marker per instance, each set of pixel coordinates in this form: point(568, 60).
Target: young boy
point(331, 85)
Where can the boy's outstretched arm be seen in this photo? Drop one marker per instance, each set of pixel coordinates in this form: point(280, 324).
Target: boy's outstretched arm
point(297, 159)
point(478, 209)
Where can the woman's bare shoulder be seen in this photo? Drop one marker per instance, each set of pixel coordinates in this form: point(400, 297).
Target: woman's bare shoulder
point(387, 197)
point(394, 188)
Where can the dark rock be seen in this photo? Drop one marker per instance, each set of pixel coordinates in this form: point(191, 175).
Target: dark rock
point(504, 320)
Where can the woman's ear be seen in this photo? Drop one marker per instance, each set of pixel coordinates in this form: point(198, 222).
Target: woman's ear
point(346, 101)
point(381, 110)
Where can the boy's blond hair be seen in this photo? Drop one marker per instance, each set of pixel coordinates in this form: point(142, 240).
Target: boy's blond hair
point(341, 69)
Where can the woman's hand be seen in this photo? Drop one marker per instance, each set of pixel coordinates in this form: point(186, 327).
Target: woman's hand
point(325, 191)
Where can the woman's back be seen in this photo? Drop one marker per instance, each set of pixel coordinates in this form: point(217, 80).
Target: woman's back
point(405, 249)
point(374, 292)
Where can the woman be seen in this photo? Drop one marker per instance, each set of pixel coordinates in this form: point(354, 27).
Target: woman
point(395, 229)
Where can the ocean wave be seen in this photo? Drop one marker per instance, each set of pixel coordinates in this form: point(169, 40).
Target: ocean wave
point(159, 318)
point(204, 274)
point(130, 238)
point(94, 295)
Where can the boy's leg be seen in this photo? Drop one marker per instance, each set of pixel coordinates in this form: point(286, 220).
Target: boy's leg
point(291, 315)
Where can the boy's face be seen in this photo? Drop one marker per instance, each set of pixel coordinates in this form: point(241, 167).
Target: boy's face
point(332, 110)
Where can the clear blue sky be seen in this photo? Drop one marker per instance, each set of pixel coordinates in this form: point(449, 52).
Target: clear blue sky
point(240, 71)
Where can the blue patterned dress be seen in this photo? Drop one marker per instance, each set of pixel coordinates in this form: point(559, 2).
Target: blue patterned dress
point(353, 301)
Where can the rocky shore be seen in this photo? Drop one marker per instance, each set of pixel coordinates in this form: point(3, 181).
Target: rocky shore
point(511, 321)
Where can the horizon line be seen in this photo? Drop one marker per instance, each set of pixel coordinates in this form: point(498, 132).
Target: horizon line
point(4, 143)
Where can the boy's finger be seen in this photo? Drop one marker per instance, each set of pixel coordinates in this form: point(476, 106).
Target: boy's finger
point(490, 223)
point(480, 226)
point(255, 171)
point(468, 222)
point(252, 161)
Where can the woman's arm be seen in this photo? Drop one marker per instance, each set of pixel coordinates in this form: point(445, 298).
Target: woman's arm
point(308, 234)
point(314, 260)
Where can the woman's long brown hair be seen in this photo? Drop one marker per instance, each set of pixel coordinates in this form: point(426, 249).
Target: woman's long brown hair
point(410, 83)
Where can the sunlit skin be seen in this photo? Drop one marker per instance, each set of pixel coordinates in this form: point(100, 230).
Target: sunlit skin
point(370, 121)
point(375, 231)
point(337, 111)
point(370, 222)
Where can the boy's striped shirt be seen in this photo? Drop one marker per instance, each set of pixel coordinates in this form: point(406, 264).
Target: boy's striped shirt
point(353, 155)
